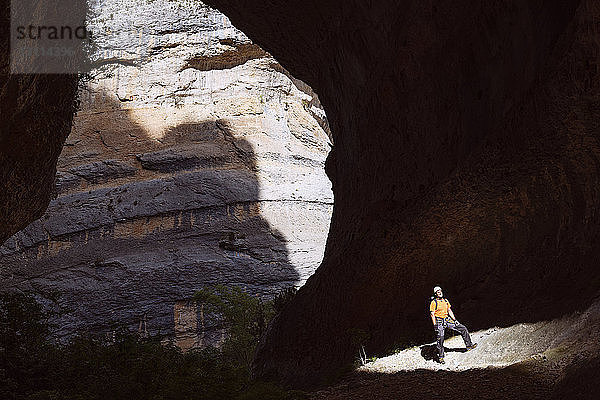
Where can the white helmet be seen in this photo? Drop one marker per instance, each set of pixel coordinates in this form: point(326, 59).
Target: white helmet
point(435, 289)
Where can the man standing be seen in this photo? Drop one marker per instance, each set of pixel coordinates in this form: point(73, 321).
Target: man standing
point(442, 318)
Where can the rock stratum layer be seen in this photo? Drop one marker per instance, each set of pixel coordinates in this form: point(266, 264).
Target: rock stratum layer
point(194, 159)
point(466, 154)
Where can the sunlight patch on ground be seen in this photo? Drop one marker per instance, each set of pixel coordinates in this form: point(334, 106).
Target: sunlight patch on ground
point(492, 350)
point(500, 347)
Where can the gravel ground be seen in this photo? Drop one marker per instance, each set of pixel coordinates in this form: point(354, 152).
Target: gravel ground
point(523, 361)
point(493, 350)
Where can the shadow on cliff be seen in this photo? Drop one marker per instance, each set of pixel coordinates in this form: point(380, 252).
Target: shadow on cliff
point(146, 223)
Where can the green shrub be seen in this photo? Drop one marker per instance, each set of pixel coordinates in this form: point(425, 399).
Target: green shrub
point(91, 367)
point(246, 318)
point(24, 346)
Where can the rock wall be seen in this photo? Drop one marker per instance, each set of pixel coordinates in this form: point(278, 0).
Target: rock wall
point(194, 159)
point(36, 113)
point(465, 155)
point(466, 148)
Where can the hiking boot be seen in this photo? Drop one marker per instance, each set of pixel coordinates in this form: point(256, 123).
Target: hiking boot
point(471, 347)
point(442, 360)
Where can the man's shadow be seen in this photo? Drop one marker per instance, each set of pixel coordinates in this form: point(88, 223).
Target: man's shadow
point(429, 351)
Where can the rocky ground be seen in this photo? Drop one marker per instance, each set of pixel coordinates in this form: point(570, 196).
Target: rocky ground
point(550, 359)
point(510, 383)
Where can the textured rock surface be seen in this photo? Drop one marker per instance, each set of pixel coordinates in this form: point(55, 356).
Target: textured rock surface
point(178, 173)
point(465, 155)
point(35, 113)
point(523, 361)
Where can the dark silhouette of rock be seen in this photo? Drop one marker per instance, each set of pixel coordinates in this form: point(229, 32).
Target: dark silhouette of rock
point(466, 153)
point(36, 112)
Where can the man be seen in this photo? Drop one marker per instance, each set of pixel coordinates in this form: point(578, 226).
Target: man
point(442, 318)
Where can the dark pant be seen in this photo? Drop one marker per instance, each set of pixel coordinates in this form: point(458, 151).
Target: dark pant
point(442, 324)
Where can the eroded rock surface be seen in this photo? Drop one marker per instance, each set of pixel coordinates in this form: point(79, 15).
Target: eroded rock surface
point(178, 173)
point(522, 361)
point(465, 155)
point(35, 118)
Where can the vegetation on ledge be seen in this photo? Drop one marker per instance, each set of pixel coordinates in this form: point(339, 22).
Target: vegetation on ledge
point(91, 367)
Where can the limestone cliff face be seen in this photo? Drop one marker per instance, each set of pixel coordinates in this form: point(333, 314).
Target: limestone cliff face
point(194, 159)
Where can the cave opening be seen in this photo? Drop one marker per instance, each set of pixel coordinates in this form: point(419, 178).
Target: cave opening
point(457, 161)
point(466, 154)
point(194, 159)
